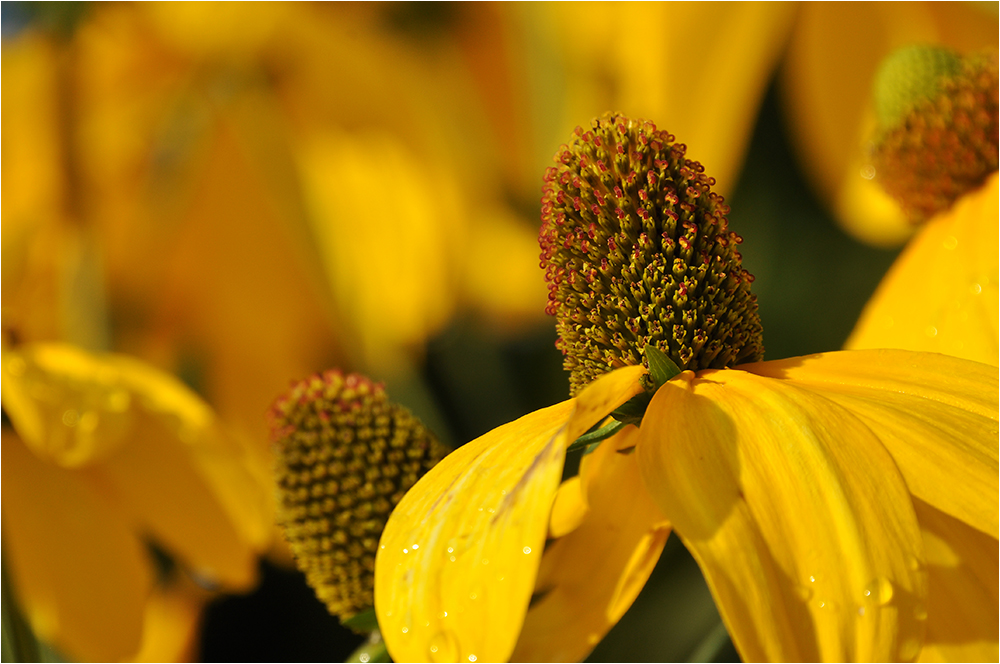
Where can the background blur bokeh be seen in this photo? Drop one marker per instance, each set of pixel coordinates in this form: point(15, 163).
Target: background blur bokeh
point(243, 194)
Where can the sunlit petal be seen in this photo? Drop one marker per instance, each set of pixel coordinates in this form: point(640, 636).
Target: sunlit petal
point(589, 578)
point(941, 294)
point(80, 573)
point(937, 416)
point(961, 613)
point(796, 514)
point(459, 555)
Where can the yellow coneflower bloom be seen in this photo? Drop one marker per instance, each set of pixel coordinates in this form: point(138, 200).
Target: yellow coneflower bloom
point(821, 495)
point(938, 156)
point(110, 456)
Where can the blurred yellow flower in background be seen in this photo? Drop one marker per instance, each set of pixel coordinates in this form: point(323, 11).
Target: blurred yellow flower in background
point(112, 456)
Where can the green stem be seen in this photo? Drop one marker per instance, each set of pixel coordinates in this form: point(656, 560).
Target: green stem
point(372, 650)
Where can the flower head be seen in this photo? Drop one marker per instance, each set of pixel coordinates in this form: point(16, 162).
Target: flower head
point(344, 457)
point(811, 491)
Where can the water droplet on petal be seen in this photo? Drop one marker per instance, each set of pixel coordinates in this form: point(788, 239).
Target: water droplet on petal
point(976, 289)
point(527, 550)
point(364, 658)
point(405, 630)
point(804, 593)
point(879, 591)
point(443, 647)
point(415, 547)
point(472, 658)
point(71, 417)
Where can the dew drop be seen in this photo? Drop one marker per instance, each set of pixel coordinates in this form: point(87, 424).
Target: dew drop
point(976, 289)
point(950, 242)
point(473, 596)
point(406, 550)
point(879, 591)
point(70, 418)
point(451, 550)
point(812, 579)
point(364, 658)
point(526, 550)
point(451, 558)
point(472, 658)
point(405, 630)
point(381, 546)
point(486, 561)
point(443, 647)
point(931, 331)
point(415, 547)
point(804, 593)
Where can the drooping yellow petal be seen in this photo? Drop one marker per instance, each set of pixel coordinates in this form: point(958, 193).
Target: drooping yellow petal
point(590, 577)
point(961, 613)
point(80, 574)
point(937, 416)
point(796, 514)
point(151, 443)
point(172, 618)
point(457, 560)
point(941, 294)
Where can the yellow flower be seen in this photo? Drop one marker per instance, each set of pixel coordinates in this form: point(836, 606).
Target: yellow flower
point(842, 506)
point(826, 81)
point(938, 157)
point(109, 457)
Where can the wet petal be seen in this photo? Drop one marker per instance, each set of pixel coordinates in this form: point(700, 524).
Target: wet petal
point(937, 416)
point(941, 294)
point(795, 512)
point(589, 578)
point(459, 555)
point(81, 575)
point(961, 609)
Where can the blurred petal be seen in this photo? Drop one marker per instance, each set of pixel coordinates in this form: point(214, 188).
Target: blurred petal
point(458, 557)
point(152, 443)
point(590, 577)
point(827, 80)
point(795, 513)
point(937, 416)
point(81, 575)
point(941, 294)
point(172, 621)
point(388, 227)
point(702, 81)
point(962, 615)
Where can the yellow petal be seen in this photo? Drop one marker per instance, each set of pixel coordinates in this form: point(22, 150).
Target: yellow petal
point(152, 443)
point(736, 45)
point(937, 416)
point(457, 560)
point(172, 619)
point(589, 578)
point(794, 511)
point(569, 508)
point(81, 575)
point(941, 294)
point(961, 609)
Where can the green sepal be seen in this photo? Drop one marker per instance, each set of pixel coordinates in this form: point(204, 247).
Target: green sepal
point(363, 622)
point(594, 437)
point(631, 411)
point(661, 367)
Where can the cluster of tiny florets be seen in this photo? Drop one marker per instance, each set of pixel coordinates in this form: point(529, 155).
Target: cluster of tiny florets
point(344, 457)
point(637, 251)
point(946, 143)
